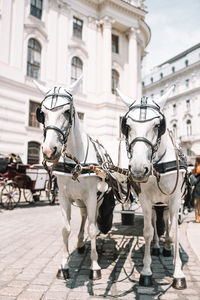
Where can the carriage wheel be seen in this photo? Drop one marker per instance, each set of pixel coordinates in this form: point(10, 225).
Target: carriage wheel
point(10, 195)
point(28, 195)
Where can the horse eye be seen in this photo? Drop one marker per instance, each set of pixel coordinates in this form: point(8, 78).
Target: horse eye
point(66, 113)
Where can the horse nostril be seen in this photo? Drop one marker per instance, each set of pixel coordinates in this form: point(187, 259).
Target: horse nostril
point(146, 170)
point(54, 151)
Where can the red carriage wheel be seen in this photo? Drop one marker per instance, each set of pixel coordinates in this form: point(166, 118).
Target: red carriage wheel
point(10, 195)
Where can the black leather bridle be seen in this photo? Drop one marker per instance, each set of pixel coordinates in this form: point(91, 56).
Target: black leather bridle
point(41, 118)
point(161, 128)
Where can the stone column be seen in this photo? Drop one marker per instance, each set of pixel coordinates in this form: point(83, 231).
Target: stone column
point(107, 55)
point(133, 63)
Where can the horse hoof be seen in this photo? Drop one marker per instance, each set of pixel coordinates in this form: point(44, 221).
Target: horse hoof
point(155, 251)
point(63, 274)
point(146, 280)
point(179, 283)
point(166, 253)
point(81, 250)
point(95, 274)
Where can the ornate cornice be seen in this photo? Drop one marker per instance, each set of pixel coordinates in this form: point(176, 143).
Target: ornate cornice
point(73, 48)
point(34, 28)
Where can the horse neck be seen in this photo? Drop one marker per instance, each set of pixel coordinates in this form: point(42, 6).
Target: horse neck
point(167, 147)
point(77, 140)
point(78, 143)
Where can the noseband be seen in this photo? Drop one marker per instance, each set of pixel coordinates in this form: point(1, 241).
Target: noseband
point(142, 119)
point(54, 103)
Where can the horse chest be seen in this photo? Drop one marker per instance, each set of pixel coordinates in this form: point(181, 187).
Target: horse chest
point(78, 190)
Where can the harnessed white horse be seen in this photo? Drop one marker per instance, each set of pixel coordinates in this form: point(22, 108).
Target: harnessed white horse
point(63, 135)
point(154, 164)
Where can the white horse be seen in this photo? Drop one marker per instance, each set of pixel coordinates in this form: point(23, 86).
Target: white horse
point(153, 164)
point(63, 135)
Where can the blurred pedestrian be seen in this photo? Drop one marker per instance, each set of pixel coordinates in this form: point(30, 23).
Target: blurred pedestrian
point(195, 180)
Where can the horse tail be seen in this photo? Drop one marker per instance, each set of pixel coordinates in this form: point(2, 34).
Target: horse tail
point(105, 216)
point(160, 225)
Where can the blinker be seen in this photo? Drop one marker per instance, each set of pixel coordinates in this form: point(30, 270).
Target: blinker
point(39, 115)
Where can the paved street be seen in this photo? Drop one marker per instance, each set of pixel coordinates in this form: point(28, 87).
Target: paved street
point(31, 250)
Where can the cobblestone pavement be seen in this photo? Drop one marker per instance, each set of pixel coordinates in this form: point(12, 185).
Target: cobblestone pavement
point(31, 250)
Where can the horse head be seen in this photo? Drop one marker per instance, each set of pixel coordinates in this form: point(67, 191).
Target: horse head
point(143, 126)
point(56, 113)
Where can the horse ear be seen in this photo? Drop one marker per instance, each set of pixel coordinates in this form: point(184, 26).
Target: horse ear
point(42, 88)
point(126, 100)
point(162, 100)
point(75, 86)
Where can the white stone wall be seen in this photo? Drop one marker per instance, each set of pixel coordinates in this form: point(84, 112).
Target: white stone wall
point(179, 116)
point(102, 109)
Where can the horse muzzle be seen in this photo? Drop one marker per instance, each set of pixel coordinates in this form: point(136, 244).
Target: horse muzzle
point(140, 175)
point(51, 154)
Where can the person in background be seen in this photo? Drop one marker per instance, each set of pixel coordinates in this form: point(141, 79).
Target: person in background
point(195, 180)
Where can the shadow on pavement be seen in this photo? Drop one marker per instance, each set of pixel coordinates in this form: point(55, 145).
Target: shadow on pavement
point(121, 254)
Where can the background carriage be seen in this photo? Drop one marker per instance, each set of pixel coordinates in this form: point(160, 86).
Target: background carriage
point(18, 180)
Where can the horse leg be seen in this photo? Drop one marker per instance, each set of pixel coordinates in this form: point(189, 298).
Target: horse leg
point(179, 281)
point(168, 241)
point(95, 270)
point(63, 272)
point(156, 246)
point(81, 244)
point(146, 273)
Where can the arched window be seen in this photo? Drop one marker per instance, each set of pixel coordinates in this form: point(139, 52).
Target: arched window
point(189, 127)
point(115, 81)
point(76, 68)
point(36, 8)
point(33, 153)
point(33, 58)
point(174, 130)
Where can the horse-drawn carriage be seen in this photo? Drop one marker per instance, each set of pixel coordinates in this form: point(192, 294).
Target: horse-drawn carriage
point(17, 179)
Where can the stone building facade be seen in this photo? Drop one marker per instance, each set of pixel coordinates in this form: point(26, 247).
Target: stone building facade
point(54, 41)
point(183, 107)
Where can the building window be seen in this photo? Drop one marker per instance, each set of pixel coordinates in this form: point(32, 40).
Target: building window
point(161, 92)
point(189, 152)
point(36, 8)
point(174, 130)
point(189, 127)
point(33, 59)
point(115, 81)
point(187, 82)
point(151, 79)
point(186, 62)
point(76, 68)
point(173, 69)
point(161, 75)
point(81, 116)
point(33, 153)
point(77, 27)
point(174, 108)
point(115, 43)
point(32, 115)
point(143, 84)
point(188, 104)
